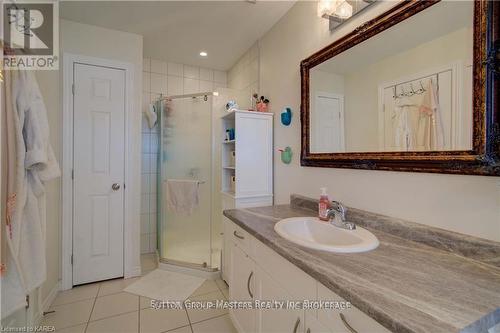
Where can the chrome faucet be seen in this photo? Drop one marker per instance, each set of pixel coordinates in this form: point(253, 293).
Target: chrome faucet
point(337, 212)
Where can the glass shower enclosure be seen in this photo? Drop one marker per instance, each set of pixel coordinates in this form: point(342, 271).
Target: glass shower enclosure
point(186, 152)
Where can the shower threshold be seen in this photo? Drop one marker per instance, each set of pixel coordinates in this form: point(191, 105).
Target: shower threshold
point(189, 268)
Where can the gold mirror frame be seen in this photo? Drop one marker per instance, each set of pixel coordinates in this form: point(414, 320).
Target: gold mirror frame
point(482, 159)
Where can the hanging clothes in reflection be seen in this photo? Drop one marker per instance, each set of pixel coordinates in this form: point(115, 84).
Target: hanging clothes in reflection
point(417, 122)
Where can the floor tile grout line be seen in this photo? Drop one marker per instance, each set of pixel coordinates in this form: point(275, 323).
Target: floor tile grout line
point(218, 316)
point(72, 302)
point(113, 316)
point(139, 315)
point(92, 310)
point(174, 329)
point(92, 297)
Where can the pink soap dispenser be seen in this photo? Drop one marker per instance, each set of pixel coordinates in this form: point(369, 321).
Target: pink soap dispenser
point(324, 204)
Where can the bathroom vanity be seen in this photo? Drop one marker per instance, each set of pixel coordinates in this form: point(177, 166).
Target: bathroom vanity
point(419, 279)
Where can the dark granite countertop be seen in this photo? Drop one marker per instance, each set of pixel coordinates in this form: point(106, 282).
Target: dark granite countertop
point(406, 285)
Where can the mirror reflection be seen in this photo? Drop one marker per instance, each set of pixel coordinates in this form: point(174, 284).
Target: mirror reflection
point(408, 88)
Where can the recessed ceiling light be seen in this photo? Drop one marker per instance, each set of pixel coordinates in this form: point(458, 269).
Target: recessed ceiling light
point(203, 53)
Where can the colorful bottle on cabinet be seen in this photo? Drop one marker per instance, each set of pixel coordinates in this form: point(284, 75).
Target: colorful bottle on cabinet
point(324, 204)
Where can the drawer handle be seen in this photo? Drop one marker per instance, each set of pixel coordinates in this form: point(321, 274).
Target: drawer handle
point(296, 327)
point(248, 284)
point(238, 236)
point(346, 324)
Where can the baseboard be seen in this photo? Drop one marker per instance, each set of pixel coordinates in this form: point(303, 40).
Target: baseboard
point(47, 302)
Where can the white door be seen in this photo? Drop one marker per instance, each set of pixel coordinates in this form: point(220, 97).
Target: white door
point(329, 123)
point(98, 162)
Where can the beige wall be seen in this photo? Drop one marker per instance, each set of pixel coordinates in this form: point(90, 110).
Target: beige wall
point(466, 204)
point(82, 39)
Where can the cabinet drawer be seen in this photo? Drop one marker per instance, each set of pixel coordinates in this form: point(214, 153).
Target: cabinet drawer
point(332, 318)
point(295, 281)
point(237, 235)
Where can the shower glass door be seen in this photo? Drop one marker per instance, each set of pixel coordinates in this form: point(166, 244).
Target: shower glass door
point(185, 153)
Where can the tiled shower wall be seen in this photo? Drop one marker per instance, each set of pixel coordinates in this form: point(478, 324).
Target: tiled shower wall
point(160, 77)
point(244, 75)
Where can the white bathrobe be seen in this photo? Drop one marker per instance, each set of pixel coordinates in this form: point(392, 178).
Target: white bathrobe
point(13, 292)
point(36, 165)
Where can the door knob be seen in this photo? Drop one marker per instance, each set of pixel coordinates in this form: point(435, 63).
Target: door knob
point(115, 186)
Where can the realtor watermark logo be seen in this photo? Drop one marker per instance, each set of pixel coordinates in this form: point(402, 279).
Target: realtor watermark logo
point(30, 33)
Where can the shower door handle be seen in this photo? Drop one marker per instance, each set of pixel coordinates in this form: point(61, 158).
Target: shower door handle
point(115, 186)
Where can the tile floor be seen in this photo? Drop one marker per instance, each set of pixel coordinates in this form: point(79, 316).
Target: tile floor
point(104, 307)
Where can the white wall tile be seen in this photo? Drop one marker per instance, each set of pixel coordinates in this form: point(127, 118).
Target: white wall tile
point(153, 163)
point(220, 77)
point(181, 79)
point(146, 82)
point(145, 224)
point(254, 51)
point(164, 84)
point(191, 72)
point(145, 185)
point(158, 66)
point(145, 244)
point(153, 184)
point(144, 203)
point(146, 97)
point(152, 242)
point(175, 85)
point(156, 83)
point(175, 69)
point(145, 168)
point(152, 203)
point(154, 143)
point(146, 142)
point(254, 70)
point(206, 74)
point(206, 86)
point(191, 86)
point(146, 65)
point(152, 225)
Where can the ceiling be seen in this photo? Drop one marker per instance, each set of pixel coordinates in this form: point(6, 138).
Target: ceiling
point(178, 30)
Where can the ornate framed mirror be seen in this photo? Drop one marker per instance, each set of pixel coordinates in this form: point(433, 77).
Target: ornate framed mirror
point(414, 89)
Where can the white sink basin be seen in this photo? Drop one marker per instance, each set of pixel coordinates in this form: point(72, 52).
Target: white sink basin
point(316, 234)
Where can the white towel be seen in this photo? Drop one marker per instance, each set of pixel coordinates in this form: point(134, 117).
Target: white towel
point(182, 195)
point(151, 115)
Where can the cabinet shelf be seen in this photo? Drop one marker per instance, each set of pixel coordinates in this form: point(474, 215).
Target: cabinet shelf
point(228, 141)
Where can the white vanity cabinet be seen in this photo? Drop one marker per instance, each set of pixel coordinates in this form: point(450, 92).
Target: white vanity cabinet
point(339, 320)
point(258, 273)
point(241, 289)
point(276, 320)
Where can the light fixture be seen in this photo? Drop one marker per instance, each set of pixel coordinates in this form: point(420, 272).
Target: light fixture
point(203, 54)
point(326, 7)
point(339, 8)
point(338, 11)
point(343, 10)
